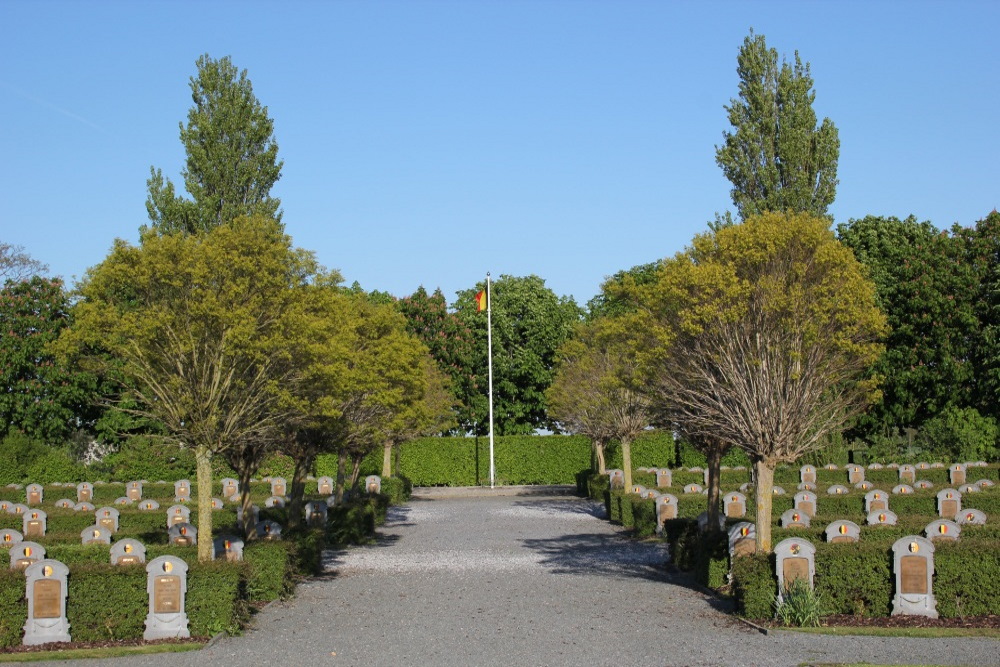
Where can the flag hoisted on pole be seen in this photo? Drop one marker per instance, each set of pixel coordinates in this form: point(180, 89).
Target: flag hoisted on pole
point(484, 302)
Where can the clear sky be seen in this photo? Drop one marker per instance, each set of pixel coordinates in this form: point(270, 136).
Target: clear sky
point(426, 143)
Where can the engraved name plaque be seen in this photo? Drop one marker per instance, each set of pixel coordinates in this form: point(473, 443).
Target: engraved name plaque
point(913, 580)
point(47, 598)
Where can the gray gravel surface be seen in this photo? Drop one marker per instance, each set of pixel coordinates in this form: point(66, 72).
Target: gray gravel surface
point(504, 580)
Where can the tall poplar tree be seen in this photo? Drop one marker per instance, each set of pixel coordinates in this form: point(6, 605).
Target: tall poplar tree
point(232, 157)
point(776, 157)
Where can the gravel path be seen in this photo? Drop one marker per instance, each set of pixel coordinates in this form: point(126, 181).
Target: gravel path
point(524, 581)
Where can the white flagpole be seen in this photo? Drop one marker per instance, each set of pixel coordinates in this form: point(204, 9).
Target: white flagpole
point(489, 345)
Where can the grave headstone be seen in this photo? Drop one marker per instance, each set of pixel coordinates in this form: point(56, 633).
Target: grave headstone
point(735, 504)
point(638, 490)
point(882, 518)
point(831, 466)
point(182, 491)
point(9, 537)
point(95, 535)
point(128, 552)
point(33, 494)
point(843, 531)
point(46, 592)
point(177, 514)
point(876, 500)
point(907, 474)
point(943, 530)
point(704, 477)
point(937, 464)
point(666, 508)
point(875, 466)
point(902, 489)
point(217, 504)
point(807, 474)
point(123, 501)
point(84, 492)
point(279, 487)
point(230, 488)
point(274, 501)
point(617, 478)
point(166, 584)
point(746, 487)
point(949, 503)
point(805, 501)
point(855, 474)
point(778, 491)
point(794, 518)
point(806, 486)
point(107, 517)
point(316, 513)
point(913, 566)
point(134, 491)
point(985, 483)
point(253, 510)
point(923, 465)
point(693, 488)
point(324, 486)
point(23, 554)
point(18, 508)
point(183, 535)
point(864, 486)
point(373, 484)
point(696, 469)
point(956, 473)
point(795, 558)
point(664, 478)
point(968, 488)
point(83, 506)
point(924, 484)
point(35, 523)
point(65, 504)
point(971, 517)
point(742, 539)
point(268, 530)
point(149, 505)
point(228, 547)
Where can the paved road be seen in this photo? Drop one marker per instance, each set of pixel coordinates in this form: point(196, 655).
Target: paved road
point(524, 581)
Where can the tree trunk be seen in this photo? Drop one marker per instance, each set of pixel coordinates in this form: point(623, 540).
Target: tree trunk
point(396, 447)
point(203, 460)
point(341, 474)
point(247, 526)
point(387, 459)
point(597, 462)
point(764, 473)
point(714, 454)
point(627, 463)
point(355, 469)
point(298, 491)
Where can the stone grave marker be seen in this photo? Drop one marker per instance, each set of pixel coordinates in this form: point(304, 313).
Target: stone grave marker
point(324, 486)
point(735, 504)
point(913, 566)
point(617, 478)
point(183, 535)
point(693, 488)
point(807, 474)
point(373, 484)
point(166, 584)
point(46, 592)
point(855, 474)
point(806, 486)
point(843, 531)
point(949, 503)
point(907, 474)
point(253, 510)
point(23, 554)
point(95, 535)
point(971, 517)
point(84, 492)
point(217, 504)
point(664, 478)
point(134, 491)
point(666, 508)
point(268, 530)
point(924, 484)
point(107, 517)
point(882, 518)
point(902, 489)
point(864, 485)
point(35, 523)
point(182, 491)
point(968, 488)
point(876, 500)
point(316, 513)
point(778, 491)
point(128, 552)
point(892, 466)
point(274, 501)
point(746, 487)
point(704, 477)
point(805, 501)
point(795, 558)
point(985, 483)
point(279, 487)
point(228, 547)
point(831, 466)
point(123, 501)
point(177, 514)
point(794, 518)
point(696, 469)
point(149, 505)
point(9, 537)
point(18, 508)
point(956, 473)
point(943, 530)
point(703, 521)
point(650, 494)
point(83, 506)
point(875, 466)
point(923, 465)
point(937, 464)
point(742, 539)
point(65, 504)
point(638, 490)
point(33, 494)
point(230, 489)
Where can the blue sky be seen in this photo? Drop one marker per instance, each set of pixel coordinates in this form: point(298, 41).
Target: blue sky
point(426, 143)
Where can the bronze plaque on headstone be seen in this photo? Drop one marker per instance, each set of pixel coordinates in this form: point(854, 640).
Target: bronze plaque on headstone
point(83, 496)
point(734, 510)
point(325, 489)
point(842, 539)
point(107, 523)
point(795, 568)
point(807, 508)
point(176, 519)
point(907, 476)
point(949, 508)
point(34, 498)
point(958, 477)
point(809, 477)
point(134, 494)
point(23, 563)
point(913, 579)
point(47, 599)
point(34, 529)
point(182, 541)
point(745, 547)
point(128, 560)
point(232, 556)
point(167, 595)
point(878, 506)
point(668, 511)
point(279, 490)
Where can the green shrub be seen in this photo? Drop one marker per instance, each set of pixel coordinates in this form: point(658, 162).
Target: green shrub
point(967, 577)
point(855, 578)
point(754, 585)
point(353, 522)
point(799, 605)
point(267, 570)
point(14, 606)
point(643, 515)
point(652, 449)
point(106, 602)
point(142, 458)
point(214, 600)
point(18, 452)
point(55, 466)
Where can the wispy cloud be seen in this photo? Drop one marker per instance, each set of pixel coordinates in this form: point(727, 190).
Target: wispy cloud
point(53, 107)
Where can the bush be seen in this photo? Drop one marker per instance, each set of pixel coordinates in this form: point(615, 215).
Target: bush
point(960, 434)
point(967, 577)
point(266, 570)
point(754, 585)
point(55, 466)
point(143, 458)
point(18, 452)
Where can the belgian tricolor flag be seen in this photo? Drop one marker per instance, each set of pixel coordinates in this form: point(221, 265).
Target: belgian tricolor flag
point(480, 301)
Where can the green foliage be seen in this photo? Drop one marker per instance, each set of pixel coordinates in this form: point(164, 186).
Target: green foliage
point(352, 522)
point(776, 157)
point(231, 156)
point(965, 577)
point(18, 452)
point(266, 570)
point(609, 303)
point(856, 578)
point(105, 602)
point(799, 605)
point(984, 255)
point(14, 605)
point(55, 465)
point(214, 603)
point(144, 458)
point(754, 585)
point(960, 434)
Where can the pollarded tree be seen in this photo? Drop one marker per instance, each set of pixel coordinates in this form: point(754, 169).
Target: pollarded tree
point(762, 335)
point(232, 157)
point(17, 265)
point(776, 157)
point(595, 393)
point(202, 328)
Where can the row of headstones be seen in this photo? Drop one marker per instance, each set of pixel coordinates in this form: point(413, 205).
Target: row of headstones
point(46, 591)
point(957, 473)
point(913, 567)
point(34, 493)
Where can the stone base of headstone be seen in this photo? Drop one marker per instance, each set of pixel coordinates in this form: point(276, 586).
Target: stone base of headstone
point(166, 626)
point(46, 631)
